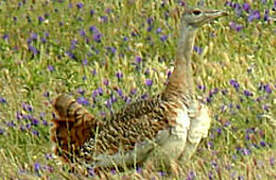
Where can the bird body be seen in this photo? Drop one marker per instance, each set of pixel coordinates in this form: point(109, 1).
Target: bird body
point(167, 126)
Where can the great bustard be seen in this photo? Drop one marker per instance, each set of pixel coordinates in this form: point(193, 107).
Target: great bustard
point(171, 123)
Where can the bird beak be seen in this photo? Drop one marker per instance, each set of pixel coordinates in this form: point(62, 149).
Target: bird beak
point(215, 14)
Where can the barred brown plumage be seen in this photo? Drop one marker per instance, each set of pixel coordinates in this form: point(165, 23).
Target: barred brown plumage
point(171, 123)
point(72, 127)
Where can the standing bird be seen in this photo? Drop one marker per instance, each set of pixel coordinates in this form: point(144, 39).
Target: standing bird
point(167, 126)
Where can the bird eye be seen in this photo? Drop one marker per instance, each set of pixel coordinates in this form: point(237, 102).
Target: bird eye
point(196, 12)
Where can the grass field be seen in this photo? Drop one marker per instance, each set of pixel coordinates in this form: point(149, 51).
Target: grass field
point(107, 54)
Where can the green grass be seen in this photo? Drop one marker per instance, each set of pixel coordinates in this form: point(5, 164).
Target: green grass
point(241, 142)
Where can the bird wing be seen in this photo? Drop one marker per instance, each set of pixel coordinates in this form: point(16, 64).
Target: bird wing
point(131, 133)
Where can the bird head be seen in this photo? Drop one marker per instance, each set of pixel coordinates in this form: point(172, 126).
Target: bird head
point(197, 17)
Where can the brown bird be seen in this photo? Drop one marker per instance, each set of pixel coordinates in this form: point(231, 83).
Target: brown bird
point(166, 127)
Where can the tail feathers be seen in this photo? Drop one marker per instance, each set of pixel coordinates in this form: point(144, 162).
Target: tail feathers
point(72, 127)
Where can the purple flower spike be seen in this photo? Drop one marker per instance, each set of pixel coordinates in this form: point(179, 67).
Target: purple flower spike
point(37, 167)
point(91, 172)
point(133, 91)
point(119, 75)
point(148, 82)
point(40, 19)
point(97, 37)
point(254, 15)
point(235, 84)
point(198, 49)
point(83, 101)
point(93, 29)
point(246, 7)
point(272, 160)
point(159, 30)
point(82, 33)
point(92, 12)
point(106, 82)
point(3, 100)
point(267, 88)
point(138, 59)
point(1, 131)
point(51, 68)
point(163, 38)
point(5, 37)
point(247, 93)
point(266, 15)
point(80, 5)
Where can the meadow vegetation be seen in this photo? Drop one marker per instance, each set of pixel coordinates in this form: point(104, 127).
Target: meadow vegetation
point(109, 53)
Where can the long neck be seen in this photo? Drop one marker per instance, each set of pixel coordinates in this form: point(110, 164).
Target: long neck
point(181, 79)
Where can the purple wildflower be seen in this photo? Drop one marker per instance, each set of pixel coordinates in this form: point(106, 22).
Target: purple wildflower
point(5, 37)
point(73, 44)
point(169, 73)
point(84, 62)
point(266, 15)
point(33, 50)
point(71, 55)
point(82, 33)
point(235, 84)
point(247, 93)
point(40, 19)
point(120, 92)
point(198, 49)
point(272, 160)
point(106, 82)
point(35, 132)
point(80, 5)
point(191, 175)
point(267, 88)
point(92, 12)
point(111, 49)
point(158, 30)
point(81, 91)
point(100, 91)
point(262, 143)
point(246, 7)
point(91, 172)
point(246, 151)
point(97, 37)
point(94, 72)
point(238, 9)
point(51, 68)
point(138, 59)
point(104, 19)
point(144, 96)
point(46, 94)
point(119, 75)
point(236, 27)
point(266, 107)
point(254, 15)
point(3, 100)
point(33, 36)
point(148, 82)
point(2, 131)
point(45, 123)
point(83, 101)
point(95, 93)
point(113, 99)
point(27, 107)
point(93, 29)
point(37, 167)
point(139, 170)
point(35, 122)
point(163, 38)
point(133, 91)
